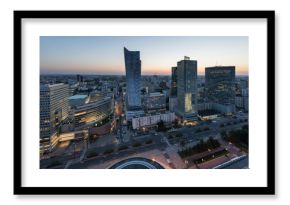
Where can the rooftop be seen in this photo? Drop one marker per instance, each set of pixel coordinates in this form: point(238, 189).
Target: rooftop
point(76, 97)
point(55, 85)
point(156, 94)
point(93, 104)
point(47, 87)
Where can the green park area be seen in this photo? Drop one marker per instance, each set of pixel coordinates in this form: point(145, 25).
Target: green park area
point(202, 146)
point(239, 137)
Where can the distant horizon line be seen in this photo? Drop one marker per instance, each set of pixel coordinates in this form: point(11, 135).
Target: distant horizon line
point(125, 74)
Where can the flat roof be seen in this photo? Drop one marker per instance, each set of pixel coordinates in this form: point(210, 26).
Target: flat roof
point(55, 85)
point(92, 104)
point(156, 94)
point(76, 97)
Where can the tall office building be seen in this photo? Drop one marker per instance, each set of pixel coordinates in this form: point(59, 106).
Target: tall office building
point(80, 78)
point(220, 87)
point(133, 83)
point(173, 81)
point(53, 110)
point(186, 88)
point(133, 79)
point(173, 90)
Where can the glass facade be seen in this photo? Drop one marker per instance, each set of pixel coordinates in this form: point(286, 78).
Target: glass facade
point(133, 79)
point(173, 81)
point(154, 101)
point(90, 114)
point(220, 84)
point(53, 108)
point(186, 86)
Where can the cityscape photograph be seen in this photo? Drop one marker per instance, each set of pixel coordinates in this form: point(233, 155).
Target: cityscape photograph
point(144, 102)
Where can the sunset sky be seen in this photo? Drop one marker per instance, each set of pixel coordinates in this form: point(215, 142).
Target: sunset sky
point(104, 54)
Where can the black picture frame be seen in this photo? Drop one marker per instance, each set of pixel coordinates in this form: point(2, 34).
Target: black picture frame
point(268, 190)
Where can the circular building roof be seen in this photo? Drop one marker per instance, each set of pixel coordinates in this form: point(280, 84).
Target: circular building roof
point(137, 163)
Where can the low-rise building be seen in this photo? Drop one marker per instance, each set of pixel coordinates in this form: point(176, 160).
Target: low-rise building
point(77, 100)
point(154, 102)
point(172, 103)
point(226, 109)
point(91, 114)
point(152, 120)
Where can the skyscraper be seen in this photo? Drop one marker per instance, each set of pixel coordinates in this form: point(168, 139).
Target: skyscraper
point(220, 87)
point(173, 90)
point(186, 88)
point(80, 78)
point(173, 81)
point(53, 110)
point(133, 79)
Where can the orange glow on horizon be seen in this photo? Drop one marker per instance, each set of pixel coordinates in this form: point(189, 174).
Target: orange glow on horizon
point(240, 69)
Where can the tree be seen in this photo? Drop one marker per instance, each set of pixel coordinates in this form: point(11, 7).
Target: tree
point(179, 135)
point(150, 141)
point(198, 130)
point(143, 91)
point(175, 123)
point(245, 127)
point(212, 143)
point(161, 126)
point(223, 134)
point(206, 129)
point(239, 136)
point(182, 143)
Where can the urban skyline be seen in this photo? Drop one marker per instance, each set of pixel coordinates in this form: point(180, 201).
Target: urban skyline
point(100, 55)
point(134, 121)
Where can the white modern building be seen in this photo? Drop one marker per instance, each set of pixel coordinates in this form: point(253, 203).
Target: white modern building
point(54, 109)
point(152, 120)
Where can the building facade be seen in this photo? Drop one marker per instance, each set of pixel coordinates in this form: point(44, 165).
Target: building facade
point(80, 78)
point(239, 101)
point(54, 109)
point(154, 102)
point(152, 120)
point(77, 100)
point(173, 91)
point(186, 88)
point(133, 79)
point(91, 114)
point(172, 103)
point(220, 87)
point(242, 100)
